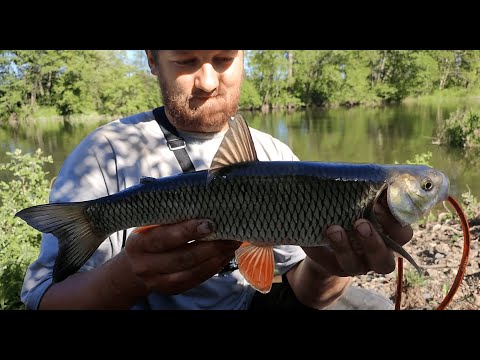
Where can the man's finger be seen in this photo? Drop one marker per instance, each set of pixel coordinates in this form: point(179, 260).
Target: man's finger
point(378, 256)
point(184, 257)
point(165, 237)
point(176, 283)
point(346, 257)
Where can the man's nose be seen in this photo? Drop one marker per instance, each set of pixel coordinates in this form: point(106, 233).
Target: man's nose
point(206, 78)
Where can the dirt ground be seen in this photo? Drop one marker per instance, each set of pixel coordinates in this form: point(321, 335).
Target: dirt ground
point(438, 248)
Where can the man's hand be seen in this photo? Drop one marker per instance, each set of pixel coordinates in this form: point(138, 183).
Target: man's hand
point(363, 249)
point(167, 260)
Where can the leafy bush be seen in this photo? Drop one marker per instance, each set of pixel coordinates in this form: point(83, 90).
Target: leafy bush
point(421, 159)
point(471, 205)
point(19, 243)
point(461, 129)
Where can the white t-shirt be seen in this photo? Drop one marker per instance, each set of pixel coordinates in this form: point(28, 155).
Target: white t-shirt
point(114, 157)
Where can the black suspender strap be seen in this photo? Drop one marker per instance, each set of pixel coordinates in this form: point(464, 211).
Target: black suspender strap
point(174, 141)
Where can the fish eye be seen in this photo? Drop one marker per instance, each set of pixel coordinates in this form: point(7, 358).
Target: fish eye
point(427, 184)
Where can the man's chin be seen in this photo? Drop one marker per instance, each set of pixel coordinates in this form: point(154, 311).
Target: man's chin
point(210, 120)
point(208, 126)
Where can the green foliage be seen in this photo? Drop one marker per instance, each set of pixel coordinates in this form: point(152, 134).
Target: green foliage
point(461, 129)
point(73, 82)
point(112, 83)
point(45, 112)
point(471, 205)
point(124, 89)
point(12, 89)
point(19, 243)
point(269, 73)
point(355, 88)
point(427, 74)
point(421, 159)
point(249, 96)
point(285, 99)
point(445, 289)
point(413, 278)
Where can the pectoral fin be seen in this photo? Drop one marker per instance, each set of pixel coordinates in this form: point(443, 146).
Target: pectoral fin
point(257, 265)
point(402, 252)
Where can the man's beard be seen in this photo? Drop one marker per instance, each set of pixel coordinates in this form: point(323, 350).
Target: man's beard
point(192, 114)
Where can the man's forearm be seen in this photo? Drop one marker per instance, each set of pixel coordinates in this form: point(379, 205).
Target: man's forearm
point(313, 286)
point(110, 286)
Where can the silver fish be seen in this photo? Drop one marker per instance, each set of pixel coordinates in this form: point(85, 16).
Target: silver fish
point(260, 204)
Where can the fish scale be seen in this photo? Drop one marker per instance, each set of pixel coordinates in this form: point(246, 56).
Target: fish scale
point(269, 209)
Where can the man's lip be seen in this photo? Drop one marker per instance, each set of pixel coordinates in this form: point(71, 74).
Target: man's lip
point(204, 97)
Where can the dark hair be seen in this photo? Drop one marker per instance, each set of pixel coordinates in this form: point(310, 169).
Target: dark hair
point(155, 54)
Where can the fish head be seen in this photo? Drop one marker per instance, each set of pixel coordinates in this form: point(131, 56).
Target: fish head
point(414, 190)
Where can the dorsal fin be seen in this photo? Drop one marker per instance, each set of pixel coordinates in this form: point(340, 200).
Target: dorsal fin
point(236, 147)
point(147, 179)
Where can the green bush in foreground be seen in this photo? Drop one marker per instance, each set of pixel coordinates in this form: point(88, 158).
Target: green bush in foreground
point(19, 243)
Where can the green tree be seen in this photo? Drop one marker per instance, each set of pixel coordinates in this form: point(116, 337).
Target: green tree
point(309, 81)
point(269, 74)
point(74, 82)
point(123, 88)
point(72, 93)
point(12, 88)
point(394, 74)
point(249, 96)
point(26, 80)
point(354, 86)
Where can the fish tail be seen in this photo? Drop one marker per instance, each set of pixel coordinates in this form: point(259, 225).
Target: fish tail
point(69, 222)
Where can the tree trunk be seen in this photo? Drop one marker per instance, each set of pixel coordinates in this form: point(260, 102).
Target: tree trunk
point(290, 65)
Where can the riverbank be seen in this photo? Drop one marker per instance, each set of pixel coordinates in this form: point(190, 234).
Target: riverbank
point(437, 247)
point(49, 113)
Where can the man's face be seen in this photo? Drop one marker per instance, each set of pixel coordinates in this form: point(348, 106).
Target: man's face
point(200, 88)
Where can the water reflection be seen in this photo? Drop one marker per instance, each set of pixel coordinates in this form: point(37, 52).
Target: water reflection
point(381, 135)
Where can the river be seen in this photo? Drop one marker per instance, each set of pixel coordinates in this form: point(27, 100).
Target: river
point(379, 134)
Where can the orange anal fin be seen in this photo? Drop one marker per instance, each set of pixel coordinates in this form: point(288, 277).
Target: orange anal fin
point(256, 264)
point(143, 229)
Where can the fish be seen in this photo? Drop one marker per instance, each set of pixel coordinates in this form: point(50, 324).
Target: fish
point(258, 203)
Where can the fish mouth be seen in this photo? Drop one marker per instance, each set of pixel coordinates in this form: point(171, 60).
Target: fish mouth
point(445, 191)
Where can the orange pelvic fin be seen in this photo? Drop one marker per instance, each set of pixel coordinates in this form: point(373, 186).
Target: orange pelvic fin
point(143, 229)
point(257, 265)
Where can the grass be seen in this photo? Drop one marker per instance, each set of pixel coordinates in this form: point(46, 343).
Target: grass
point(48, 114)
point(446, 95)
point(413, 278)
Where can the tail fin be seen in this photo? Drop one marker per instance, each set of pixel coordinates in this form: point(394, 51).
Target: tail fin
point(69, 222)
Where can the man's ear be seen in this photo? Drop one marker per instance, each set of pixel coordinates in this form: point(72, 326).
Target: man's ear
point(152, 63)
